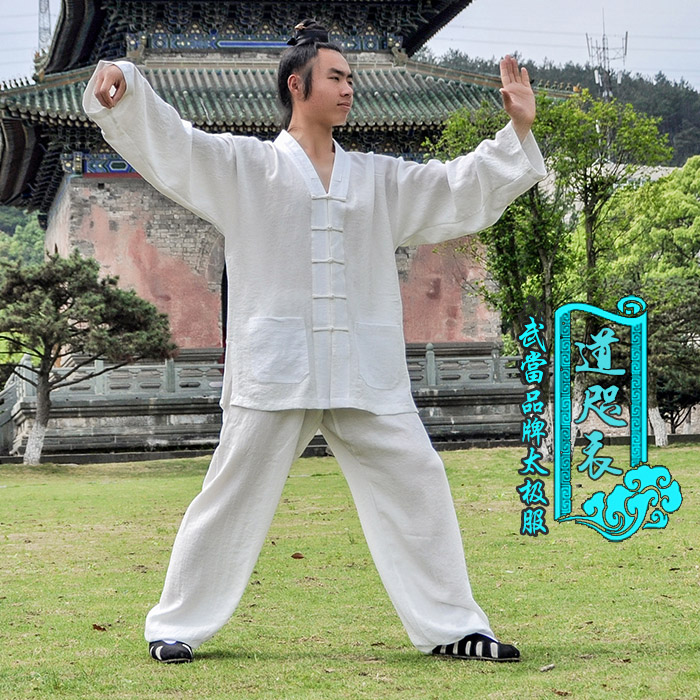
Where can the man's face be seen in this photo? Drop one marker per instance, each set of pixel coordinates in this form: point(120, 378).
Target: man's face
point(331, 95)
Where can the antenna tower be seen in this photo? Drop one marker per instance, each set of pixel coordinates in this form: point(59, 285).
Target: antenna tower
point(601, 55)
point(44, 25)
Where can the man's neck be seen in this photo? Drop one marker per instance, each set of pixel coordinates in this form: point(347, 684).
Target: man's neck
point(318, 146)
point(316, 140)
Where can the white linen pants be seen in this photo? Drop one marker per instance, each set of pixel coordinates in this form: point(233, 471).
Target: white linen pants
point(402, 496)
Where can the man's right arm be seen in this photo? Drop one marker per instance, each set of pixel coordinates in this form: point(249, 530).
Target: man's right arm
point(194, 168)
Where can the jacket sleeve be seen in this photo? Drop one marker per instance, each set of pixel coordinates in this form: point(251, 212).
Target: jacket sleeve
point(435, 201)
point(194, 168)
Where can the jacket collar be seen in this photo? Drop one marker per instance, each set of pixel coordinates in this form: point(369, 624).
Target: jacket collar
point(340, 177)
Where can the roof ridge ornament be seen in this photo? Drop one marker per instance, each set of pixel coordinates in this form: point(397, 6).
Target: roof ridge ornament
point(400, 56)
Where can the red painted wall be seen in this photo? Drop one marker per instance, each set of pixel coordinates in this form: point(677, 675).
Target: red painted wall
point(175, 260)
point(438, 307)
point(167, 255)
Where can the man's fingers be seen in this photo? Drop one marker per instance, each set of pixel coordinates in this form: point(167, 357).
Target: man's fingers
point(103, 92)
point(99, 90)
point(121, 89)
point(504, 76)
point(509, 71)
point(109, 88)
point(506, 73)
point(507, 99)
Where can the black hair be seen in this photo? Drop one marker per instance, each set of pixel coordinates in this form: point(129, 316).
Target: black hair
point(308, 38)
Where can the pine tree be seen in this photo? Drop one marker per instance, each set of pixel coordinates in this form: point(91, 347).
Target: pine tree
point(61, 308)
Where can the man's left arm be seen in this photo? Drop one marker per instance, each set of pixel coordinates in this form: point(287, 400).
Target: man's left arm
point(435, 201)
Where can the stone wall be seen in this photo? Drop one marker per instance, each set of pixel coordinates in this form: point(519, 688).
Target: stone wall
point(175, 260)
point(165, 253)
point(439, 304)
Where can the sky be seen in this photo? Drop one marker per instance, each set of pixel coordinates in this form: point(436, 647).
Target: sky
point(662, 36)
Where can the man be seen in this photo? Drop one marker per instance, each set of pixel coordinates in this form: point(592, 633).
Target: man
point(315, 333)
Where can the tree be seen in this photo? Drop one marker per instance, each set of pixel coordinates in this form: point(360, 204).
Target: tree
point(10, 219)
point(592, 149)
point(658, 259)
point(21, 237)
point(677, 392)
point(525, 252)
point(600, 147)
point(61, 308)
point(26, 243)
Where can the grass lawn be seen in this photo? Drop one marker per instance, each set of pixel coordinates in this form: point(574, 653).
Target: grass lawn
point(83, 552)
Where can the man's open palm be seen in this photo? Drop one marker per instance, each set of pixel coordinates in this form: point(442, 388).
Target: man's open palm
point(518, 98)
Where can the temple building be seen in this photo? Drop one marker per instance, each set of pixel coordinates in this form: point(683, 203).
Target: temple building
point(215, 62)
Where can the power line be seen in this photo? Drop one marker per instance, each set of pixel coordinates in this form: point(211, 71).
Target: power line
point(554, 46)
point(503, 30)
point(646, 50)
point(492, 42)
point(673, 38)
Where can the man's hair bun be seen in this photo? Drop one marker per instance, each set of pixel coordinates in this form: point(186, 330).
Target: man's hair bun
point(309, 31)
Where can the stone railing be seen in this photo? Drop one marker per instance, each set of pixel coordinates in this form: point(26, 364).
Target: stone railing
point(460, 390)
point(8, 398)
point(145, 381)
point(435, 370)
point(429, 366)
point(22, 389)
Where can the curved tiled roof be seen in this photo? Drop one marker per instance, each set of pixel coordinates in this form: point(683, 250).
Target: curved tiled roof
point(222, 87)
point(240, 98)
point(39, 122)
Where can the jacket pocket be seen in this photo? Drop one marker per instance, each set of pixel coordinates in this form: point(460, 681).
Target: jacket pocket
point(381, 354)
point(278, 350)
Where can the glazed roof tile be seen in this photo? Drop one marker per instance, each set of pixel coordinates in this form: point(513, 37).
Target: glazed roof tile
point(243, 97)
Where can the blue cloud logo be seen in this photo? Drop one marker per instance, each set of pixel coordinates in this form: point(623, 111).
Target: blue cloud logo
point(643, 501)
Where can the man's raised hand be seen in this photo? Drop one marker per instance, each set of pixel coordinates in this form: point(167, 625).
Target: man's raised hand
point(518, 98)
point(110, 86)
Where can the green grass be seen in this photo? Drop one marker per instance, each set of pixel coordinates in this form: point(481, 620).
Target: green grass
point(83, 551)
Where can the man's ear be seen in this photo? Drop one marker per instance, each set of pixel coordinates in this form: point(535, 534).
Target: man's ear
point(295, 85)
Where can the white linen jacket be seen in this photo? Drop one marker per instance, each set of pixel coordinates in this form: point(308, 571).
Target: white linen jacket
point(314, 307)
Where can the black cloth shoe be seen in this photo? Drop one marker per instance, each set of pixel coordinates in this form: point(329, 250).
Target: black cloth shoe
point(478, 646)
point(170, 652)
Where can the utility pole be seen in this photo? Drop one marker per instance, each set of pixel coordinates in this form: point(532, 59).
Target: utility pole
point(44, 25)
point(600, 56)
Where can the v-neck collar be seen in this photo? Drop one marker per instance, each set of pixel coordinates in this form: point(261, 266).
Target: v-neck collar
point(340, 176)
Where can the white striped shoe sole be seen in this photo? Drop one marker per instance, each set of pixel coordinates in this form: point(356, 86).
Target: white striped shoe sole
point(171, 652)
point(478, 647)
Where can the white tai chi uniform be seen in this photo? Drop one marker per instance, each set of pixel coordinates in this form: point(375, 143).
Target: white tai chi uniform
point(315, 340)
